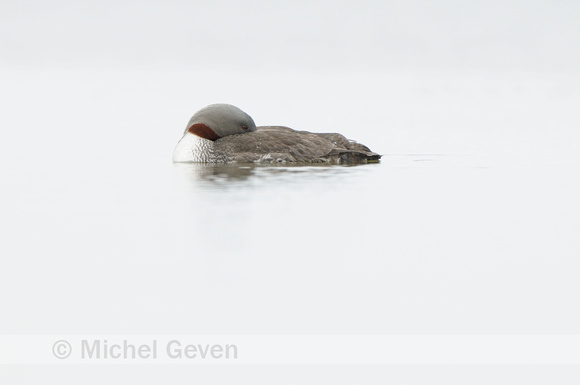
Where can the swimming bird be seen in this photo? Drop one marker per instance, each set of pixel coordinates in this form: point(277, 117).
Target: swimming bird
point(222, 133)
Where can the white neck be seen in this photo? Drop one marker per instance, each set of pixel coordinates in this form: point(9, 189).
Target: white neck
point(192, 148)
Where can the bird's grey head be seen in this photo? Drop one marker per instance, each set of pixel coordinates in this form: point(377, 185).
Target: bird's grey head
point(218, 120)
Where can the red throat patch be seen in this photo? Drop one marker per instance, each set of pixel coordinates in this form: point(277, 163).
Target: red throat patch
point(203, 131)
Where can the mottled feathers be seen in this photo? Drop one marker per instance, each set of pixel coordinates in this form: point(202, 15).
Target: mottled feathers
point(283, 144)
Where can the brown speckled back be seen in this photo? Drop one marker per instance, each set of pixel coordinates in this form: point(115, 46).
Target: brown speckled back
point(283, 144)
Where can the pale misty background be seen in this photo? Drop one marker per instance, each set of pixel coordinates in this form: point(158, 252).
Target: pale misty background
point(468, 225)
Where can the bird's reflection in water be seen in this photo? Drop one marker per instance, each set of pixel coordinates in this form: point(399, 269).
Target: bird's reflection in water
point(239, 174)
point(210, 171)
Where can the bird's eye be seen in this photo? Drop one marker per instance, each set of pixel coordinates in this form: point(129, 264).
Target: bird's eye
point(244, 128)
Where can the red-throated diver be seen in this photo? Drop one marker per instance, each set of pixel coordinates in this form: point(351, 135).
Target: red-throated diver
point(222, 133)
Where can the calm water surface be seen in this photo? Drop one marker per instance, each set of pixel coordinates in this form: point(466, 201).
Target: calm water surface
point(420, 243)
point(468, 225)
